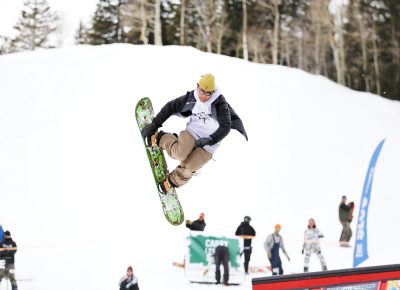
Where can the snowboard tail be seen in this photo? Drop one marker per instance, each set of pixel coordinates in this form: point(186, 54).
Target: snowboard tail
point(171, 206)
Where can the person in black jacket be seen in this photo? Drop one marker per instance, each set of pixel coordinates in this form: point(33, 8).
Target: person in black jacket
point(247, 232)
point(210, 120)
point(129, 281)
point(345, 217)
point(221, 256)
point(7, 251)
point(197, 225)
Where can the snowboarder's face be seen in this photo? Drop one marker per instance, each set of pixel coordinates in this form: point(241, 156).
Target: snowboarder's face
point(203, 95)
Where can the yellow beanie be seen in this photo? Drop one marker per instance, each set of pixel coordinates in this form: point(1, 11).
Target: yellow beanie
point(207, 83)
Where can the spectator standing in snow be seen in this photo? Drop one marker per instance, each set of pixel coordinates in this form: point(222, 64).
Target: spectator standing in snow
point(247, 232)
point(311, 245)
point(129, 281)
point(8, 249)
point(272, 244)
point(345, 217)
point(222, 257)
point(197, 225)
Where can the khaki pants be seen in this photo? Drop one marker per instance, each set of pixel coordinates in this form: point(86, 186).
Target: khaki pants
point(9, 272)
point(183, 148)
point(346, 232)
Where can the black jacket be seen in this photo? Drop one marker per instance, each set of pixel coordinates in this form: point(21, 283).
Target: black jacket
point(245, 229)
point(197, 225)
point(346, 212)
point(8, 255)
point(221, 110)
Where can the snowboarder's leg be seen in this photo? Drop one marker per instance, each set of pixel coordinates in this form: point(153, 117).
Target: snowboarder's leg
point(247, 254)
point(183, 172)
point(322, 260)
point(280, 267)
point(179, 147)
point(11, 276)
point(217, 266)
point(225, 263)
point(307, 260)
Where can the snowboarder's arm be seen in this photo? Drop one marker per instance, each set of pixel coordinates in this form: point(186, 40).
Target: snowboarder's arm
point(172, 107)
point(224, 120)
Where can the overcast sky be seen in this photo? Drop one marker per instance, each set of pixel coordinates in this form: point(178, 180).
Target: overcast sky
point(70, 11)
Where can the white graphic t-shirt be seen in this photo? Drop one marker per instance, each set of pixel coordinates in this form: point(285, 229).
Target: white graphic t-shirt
point(201, 123)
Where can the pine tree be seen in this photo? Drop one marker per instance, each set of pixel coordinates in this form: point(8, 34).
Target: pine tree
point(5, 45)
point(81, 36)
point(106, 24)
point(35, 25)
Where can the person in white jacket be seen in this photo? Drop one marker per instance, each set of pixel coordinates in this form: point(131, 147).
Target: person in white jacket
point(311, 245)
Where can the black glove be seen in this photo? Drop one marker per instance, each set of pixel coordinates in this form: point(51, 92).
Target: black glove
point(149, 130)
point(302, 252)
point(203, 142)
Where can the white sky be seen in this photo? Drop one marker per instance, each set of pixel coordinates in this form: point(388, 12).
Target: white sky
point(70, 11)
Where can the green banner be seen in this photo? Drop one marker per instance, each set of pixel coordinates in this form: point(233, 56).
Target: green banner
point(202, 249)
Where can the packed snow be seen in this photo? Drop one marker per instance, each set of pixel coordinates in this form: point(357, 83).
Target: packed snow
point(79, 199)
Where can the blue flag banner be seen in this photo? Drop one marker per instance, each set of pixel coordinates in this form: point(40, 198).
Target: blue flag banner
point(1, 234)
point(361, 247)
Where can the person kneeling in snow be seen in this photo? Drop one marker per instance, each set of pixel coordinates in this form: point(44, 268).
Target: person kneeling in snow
point(129, 281)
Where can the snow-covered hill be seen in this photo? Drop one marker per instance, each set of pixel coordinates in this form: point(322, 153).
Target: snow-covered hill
point(78, 196)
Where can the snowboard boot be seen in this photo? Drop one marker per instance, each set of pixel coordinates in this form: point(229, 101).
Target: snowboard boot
point(324, 268)
point(166, 186)
point(155, 139)
point(305, 269)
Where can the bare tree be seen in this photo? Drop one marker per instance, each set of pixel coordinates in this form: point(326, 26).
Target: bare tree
point(244, 30)
point(182, 23)
point(207, 10)
point(157, 23)
point(274, 8)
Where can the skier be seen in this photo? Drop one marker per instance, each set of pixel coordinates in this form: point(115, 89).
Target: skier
point(247, 232)
point(129, 281)
point(7, 251)
point(311, 245)
point(222, 257)
point(197, 225)
point(211, 119)
point(272, 244)
point(345, 217)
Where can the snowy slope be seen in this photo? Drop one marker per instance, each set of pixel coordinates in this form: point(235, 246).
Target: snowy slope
point(78, 197)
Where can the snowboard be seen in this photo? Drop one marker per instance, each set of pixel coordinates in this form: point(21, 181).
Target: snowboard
point(171, 206)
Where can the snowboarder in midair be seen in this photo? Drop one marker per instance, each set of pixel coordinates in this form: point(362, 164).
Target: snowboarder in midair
point(210, 120)
point(311, 245)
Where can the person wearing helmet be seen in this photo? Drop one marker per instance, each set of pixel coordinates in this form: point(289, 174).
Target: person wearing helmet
point(247, 232)
point(272, 244)
point(210, 120)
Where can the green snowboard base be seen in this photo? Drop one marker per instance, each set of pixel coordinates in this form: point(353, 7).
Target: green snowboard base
point(171, 206)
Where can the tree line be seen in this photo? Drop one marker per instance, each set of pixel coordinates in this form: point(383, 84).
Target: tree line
point(356, 44)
